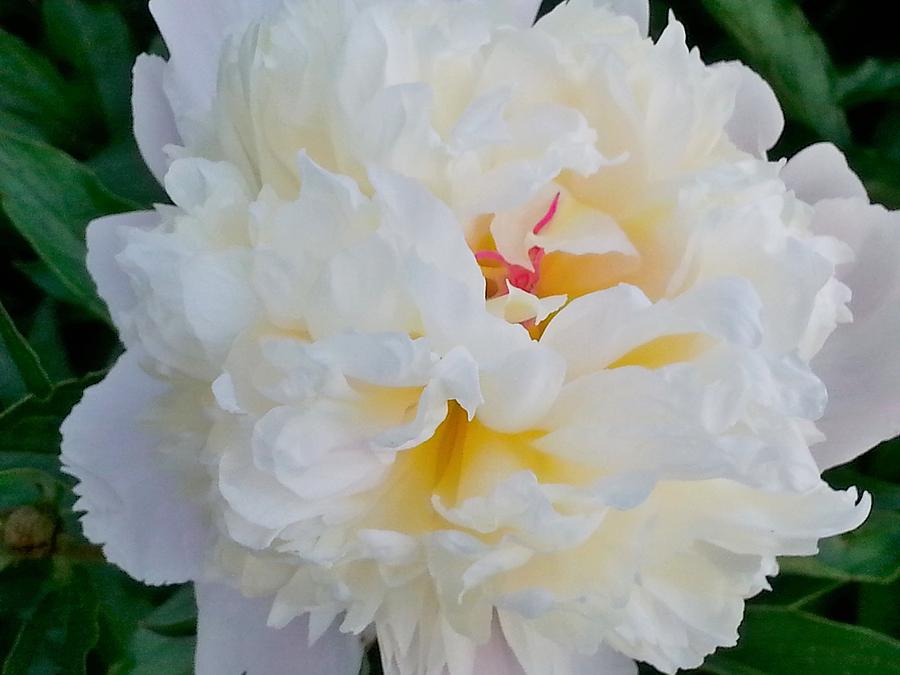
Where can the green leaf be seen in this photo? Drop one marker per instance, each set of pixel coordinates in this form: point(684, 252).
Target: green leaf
point(885, 495)
point(776, 641)
point(371, 663)
point(59, 634)
point(32, 93)
point(22, 585)
point(50, 199)
point(94, 39)
point(879, 172)
point(151, 654)
point(29, 365)
point(45, 279)
point(22, 487)
point(11, 386)
point(32, 424)
point(869, 554)
point(779, 42)
point(878, 608)
point(872, 80)
point(122, 169)
point(39, 461)
point(45, 337)
point(123, 603)
point(177, 616)
point(796, 591)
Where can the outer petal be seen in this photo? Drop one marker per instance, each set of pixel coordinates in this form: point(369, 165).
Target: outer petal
point(523, 12)
point(104, 243)
point(539, 655)
point(233, 638)
point(757, 122)
point(639, 10)
point(133, 506)
point(858, 363)
point(496, 657)
point(821, 172)
point(154, 121)
point(194, 31)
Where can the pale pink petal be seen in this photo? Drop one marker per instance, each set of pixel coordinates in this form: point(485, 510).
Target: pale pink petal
point(154, 121)
point(234, 639)
point(133, 505)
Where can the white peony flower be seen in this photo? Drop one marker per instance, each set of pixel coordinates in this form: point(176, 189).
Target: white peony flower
point(503, 343)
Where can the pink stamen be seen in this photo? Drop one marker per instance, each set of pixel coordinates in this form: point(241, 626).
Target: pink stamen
point(517, 275)
point(551, 212)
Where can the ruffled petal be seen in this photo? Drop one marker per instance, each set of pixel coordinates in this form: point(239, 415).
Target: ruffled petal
point(133, 505)
point(233, 639)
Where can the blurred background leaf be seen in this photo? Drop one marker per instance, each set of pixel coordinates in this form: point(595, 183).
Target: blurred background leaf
point(776, 38)
point(781, 641)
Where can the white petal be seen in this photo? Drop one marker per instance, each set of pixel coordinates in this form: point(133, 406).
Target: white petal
point(104, 243)
point(233, 639)
point(133, 505)
point(757, 122)
point(539, 655)
point(482, 123)
point(195, 31)
point(521, 389)
point(859, 363)
point(154, 121)
point(596, 329)
point(518, 306)
point(427, 227)
point(496, 657)
point(453, 315)
point(218, 300)
point(821, 172)
point(606, 661)
point(639, 10)
point(521, 12)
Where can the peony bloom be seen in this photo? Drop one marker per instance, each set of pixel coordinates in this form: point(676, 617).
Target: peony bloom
point(502, 343)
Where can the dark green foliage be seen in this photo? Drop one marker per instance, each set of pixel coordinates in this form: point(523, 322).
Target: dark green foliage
point(67, 156)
